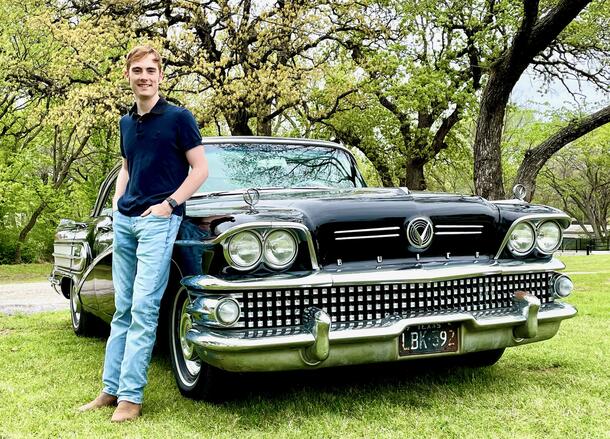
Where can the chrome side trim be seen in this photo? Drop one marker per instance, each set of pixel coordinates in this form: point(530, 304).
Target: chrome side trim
point(377, 229)
point(66, 256)
point(271, 225)
point(472, 226)
point(458, 233)
point(347, 238)
point(425, 273)
point(563, 218)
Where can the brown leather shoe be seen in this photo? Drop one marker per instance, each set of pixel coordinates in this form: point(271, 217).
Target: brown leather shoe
point(126, 411)
point(102, 400)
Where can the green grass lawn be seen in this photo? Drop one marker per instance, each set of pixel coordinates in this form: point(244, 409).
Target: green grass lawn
point(21, 273)
point(557, 388)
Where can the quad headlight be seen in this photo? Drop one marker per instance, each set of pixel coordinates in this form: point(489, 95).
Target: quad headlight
point(280, 249)
point(548, 237)
point(522, 239)
point(244, 250)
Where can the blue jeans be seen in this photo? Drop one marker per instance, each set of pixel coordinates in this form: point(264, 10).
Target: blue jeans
point(141, 256)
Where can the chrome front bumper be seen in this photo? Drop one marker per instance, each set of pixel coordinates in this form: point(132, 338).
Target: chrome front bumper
point(318, 343)
point(313, 346)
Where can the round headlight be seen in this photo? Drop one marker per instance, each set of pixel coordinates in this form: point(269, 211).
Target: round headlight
point(227, 311)
point(244, 250)
point(280, 249)
point(548, 237)
point(563, 286)
point(522, 239)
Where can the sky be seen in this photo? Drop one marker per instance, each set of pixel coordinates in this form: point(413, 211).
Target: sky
point(531, 92)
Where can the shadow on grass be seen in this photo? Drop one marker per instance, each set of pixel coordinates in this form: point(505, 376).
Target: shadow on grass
point(408, 383)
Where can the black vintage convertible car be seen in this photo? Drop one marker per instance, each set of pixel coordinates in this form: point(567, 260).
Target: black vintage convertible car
point(286, 260)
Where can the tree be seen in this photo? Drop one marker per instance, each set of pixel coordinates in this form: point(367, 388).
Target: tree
point(240, 63)
point(542, 39)
point(580, 179)
point(412, 74)
point(64, 92)
point(538, 156)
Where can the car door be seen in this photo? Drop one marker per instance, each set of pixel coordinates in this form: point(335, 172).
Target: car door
point(101, 240)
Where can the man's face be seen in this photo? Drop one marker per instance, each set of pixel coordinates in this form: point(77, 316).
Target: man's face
point(144, 77)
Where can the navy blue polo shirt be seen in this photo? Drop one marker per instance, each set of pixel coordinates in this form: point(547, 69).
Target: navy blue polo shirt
point(155, 146)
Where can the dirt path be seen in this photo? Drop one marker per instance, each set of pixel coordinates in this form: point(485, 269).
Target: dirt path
point(30, 298)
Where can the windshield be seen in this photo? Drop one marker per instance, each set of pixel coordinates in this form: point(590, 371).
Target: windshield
point(241, 166)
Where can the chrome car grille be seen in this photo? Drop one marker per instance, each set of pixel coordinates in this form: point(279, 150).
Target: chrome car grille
point(345, 304)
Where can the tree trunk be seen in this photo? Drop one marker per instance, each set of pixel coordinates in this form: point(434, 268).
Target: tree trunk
point(238, 123)
point(414, 175)
point(537, 157)
point(263, 127)
point(487, 152)
point(534, 35)
point(24, 232)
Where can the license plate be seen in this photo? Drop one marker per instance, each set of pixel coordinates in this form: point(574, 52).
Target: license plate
point(428, 339)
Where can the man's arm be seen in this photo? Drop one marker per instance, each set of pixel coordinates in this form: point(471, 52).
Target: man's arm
point(121, 184)
point(199, 172)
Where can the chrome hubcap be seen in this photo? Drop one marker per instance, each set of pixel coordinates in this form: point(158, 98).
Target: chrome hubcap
point(190, 358)
point(75, 309)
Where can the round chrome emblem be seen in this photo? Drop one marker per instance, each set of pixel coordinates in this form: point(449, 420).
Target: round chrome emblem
point(420, 232)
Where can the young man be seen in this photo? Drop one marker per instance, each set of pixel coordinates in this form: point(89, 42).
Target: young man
point(159, 142)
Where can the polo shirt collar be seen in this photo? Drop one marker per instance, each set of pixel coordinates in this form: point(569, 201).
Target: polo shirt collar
point(159, 108)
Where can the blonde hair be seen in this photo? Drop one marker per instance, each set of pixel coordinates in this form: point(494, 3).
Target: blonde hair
point(140, 52)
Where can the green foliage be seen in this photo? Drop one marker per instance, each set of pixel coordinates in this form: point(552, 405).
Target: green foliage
point(382, 77)
point(64, 95)
point(577, 179)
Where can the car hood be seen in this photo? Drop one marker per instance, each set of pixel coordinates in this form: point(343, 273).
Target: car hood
point(348, 223)
point(317, 207)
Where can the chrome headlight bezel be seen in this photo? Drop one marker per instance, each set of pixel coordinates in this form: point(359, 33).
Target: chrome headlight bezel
point(557, 289)
point(227, 301)
point(289, 262)
point(207, 309)
point(522, 253)
point(230, 258)
point(559, 241)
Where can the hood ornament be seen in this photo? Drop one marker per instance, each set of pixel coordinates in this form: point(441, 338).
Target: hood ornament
point(251, 197)
point(420, 233)
point(519, 192)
